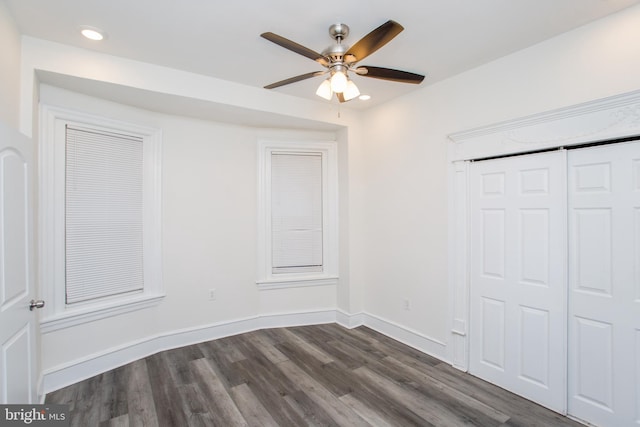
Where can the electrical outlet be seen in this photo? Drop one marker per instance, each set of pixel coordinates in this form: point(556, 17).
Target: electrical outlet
point(212, 294)
point(406, 305)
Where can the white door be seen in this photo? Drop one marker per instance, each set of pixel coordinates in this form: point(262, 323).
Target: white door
point(518, 275)
point(604, 284)
point(18, 352)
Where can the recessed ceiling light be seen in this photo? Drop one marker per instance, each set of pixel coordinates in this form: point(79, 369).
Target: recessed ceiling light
point(364, 97)
point(92, 33)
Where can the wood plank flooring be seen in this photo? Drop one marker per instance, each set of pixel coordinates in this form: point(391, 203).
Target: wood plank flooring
point(322, 375)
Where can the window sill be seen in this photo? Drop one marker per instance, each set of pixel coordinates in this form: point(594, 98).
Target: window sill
point(80, 315)
point(296, 282)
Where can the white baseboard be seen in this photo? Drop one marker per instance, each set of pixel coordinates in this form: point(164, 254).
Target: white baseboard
point(349, 320)
point(94, 364)
point(89, 366)
point(425, 344)
point(296, 319)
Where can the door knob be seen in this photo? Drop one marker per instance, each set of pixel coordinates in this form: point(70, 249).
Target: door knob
point(36, 304)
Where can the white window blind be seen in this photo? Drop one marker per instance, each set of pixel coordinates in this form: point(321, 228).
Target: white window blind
point(296, 212)
point(103, 214)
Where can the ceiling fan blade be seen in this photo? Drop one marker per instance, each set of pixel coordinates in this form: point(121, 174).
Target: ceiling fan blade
point(295, 47)
point(294, 79)
point(340, 97)
point(374, 40)
point(389, 74)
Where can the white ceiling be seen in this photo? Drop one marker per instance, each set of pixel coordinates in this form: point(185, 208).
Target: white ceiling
point(222, 38)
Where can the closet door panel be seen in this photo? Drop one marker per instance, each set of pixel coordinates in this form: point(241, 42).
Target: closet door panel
point(535, 241)
point(594, 362)
point(604, 277)
point(518, 276)
point(591, 250)
point(535, 352)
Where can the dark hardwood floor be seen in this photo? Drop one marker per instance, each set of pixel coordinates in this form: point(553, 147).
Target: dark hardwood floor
point(322, 375)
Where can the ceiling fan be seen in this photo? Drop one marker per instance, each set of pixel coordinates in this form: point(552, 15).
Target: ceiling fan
point(340, 59)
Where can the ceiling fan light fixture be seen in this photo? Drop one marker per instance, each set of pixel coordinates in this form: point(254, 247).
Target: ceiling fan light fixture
point(324, 90)
point(351, 91)
point(338, 81)
point(338, 59)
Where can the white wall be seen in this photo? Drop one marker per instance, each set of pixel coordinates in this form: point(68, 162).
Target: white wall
point(209, 234)
point(393, 181)
point(209, 205)
point(405, 158)
point(9, 68)
point(204, 92)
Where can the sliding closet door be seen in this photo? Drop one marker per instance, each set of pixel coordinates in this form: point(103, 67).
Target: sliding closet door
point(518, 275)
point(604, 284)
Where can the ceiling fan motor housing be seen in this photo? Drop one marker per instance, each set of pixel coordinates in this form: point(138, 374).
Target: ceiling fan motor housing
point(336, 51)
point(339, 31)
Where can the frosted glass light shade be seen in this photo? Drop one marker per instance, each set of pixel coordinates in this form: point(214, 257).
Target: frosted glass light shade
point(338, 82)
point(324, 90)
point(351, 91)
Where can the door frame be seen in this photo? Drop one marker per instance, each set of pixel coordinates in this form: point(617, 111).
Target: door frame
point(603, 119)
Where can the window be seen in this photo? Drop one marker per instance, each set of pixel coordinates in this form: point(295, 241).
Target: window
point(298, 214)
point(101, 228)
point(103, 214)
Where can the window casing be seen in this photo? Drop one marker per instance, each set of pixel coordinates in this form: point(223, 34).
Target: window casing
point(298, 214)
point(100, 217)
